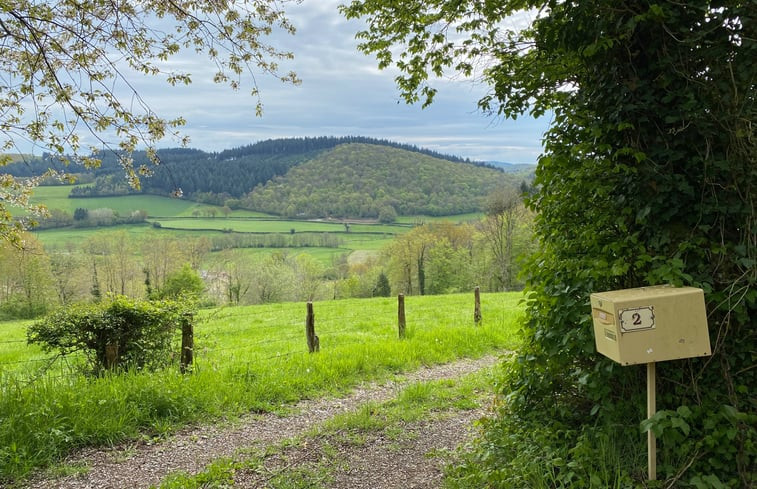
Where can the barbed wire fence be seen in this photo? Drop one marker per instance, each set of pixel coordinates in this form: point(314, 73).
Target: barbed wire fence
point(288, 327)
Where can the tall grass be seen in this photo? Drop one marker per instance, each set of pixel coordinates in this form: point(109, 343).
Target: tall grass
point(247, 359)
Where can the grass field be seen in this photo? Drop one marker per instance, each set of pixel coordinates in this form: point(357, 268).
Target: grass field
point(57, 198)
point(474, 216)
point(324, 255)
point(247, 359)
point(187, 219)
point(277, 226)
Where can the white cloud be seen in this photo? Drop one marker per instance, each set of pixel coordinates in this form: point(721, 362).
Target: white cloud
point(342, 93)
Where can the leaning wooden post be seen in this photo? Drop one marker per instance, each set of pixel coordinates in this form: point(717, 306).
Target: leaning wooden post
point(314, 344)
point(187, 343)
point(401, 315)
point(477, 306)
point(111, 356)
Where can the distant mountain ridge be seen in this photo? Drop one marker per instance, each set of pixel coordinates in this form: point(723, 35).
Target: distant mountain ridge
point(512, 167)
point(237, 177)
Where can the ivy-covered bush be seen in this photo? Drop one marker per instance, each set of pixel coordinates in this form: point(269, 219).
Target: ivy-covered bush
point(648, 177)
point(117, 333)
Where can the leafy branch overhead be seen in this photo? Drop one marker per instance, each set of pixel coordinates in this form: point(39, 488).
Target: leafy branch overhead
point(67, 72)
point(483, 40)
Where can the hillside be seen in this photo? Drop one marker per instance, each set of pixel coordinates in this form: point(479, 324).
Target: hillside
point(353, 176)
point(370, 181)
point(207, 177)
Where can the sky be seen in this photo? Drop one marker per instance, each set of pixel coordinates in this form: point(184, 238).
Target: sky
point(342, 94)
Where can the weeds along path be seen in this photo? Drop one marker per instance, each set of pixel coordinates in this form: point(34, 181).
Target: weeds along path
point(141, 465)
point(412, 459)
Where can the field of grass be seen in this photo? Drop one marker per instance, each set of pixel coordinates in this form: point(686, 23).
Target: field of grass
point(190, 219)
point(59, 238)
point(247, 359)
point(15, 354)
point(56, 197)
point(474, 216)
point(276, 226)
point(324, 255)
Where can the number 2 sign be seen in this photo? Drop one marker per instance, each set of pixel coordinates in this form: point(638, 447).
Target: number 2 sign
point(636, 319)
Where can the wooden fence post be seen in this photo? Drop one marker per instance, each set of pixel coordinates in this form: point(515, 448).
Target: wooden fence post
point(401, 315)
point(187, 343)
point(111, 356)
point(477, 306)
point(314, 344)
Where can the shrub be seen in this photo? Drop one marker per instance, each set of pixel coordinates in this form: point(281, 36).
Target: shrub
point(382, 288)
point(182, 283)
point(136, 333)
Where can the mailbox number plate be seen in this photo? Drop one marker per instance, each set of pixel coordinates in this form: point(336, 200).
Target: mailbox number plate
point(636, 319)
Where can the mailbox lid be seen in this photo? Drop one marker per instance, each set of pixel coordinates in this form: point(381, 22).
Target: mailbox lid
point(644, 294)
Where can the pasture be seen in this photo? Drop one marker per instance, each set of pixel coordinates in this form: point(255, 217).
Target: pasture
point(273, 225)
point(187, 219)
point(247, 359)
point(56, 197)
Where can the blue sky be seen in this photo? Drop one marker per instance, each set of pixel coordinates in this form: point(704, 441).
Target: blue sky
point(342, 93)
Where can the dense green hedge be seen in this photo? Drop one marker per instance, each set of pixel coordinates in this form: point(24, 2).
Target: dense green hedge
point(648, 177)
point(117, 333)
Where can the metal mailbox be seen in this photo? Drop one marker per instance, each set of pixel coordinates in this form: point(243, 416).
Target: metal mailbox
point(650, 324)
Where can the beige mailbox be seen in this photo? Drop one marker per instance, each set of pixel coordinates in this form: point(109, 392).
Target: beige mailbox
point(650, 324)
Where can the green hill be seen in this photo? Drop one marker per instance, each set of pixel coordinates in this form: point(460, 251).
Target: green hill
point(369, 181)
point(345, 177)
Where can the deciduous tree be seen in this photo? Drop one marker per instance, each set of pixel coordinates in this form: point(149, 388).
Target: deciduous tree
point(67, 69)
point(25, 279)
point(505, 216)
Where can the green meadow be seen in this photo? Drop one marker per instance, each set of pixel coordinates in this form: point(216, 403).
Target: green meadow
point(275, 226)
point(183, 218)
point(248, 359)
point(458, 218)
point(56, 197)
point(325, 256)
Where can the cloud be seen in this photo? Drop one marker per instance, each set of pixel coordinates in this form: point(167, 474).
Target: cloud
point(342, 93)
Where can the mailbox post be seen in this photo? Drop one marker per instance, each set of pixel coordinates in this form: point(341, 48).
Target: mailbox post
point(647, 325)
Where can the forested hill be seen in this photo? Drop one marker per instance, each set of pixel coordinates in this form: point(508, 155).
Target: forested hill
point(211, 177)
point(306, 145)
point(369, 181)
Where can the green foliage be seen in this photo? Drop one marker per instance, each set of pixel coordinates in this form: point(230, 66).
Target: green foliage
point(361, 180)
point(137, 333)
point(387, 214)
point(648, 177)
point(382, 288)
point(524, 452)
point(26, 278)
point(80, 214)
point(184, 283)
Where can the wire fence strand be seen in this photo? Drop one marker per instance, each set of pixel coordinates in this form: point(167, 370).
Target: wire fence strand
point(335, 327)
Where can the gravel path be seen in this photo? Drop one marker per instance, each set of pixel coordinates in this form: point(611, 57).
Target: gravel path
point(139, 466)
point(416, 461)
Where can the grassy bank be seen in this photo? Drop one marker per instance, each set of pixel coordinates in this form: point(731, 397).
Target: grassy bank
point(247, 359)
